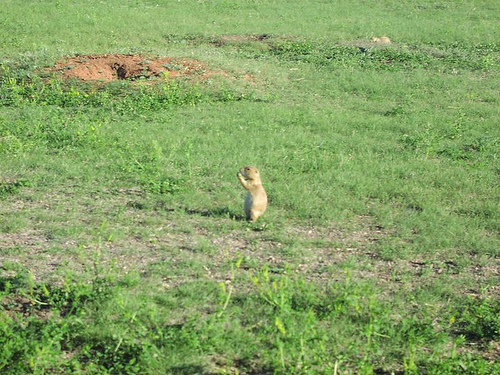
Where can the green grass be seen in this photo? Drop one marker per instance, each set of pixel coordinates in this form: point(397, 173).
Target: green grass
point(123, 247)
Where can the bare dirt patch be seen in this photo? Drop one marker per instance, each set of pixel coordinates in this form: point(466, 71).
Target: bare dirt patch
point(180, 246)
point(112, 67)
point(237, 38)
point(31, 239)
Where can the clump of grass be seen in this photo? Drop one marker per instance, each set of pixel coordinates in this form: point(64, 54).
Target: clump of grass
point(479, 319)
point(120, 97)
point(12, 187)
point(393, 58)
point(108, 324)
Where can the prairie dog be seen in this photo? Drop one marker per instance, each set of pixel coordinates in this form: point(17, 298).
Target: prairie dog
point(256, 199)
point(381, 40)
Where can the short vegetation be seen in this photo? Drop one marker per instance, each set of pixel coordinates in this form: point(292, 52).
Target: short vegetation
point(124, 247)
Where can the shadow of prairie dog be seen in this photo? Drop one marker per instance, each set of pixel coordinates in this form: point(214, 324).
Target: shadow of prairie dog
point(256, 199)
point(381, 40)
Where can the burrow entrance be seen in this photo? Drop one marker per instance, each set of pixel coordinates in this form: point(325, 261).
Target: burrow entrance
point(112, 67)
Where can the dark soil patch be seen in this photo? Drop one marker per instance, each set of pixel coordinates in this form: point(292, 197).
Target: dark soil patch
point(111, 67)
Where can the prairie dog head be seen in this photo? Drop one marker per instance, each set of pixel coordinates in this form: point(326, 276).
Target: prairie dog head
point(250, 173)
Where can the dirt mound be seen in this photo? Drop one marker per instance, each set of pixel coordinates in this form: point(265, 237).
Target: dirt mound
point(111, 67)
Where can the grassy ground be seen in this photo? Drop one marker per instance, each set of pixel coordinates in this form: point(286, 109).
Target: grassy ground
point(123, 247)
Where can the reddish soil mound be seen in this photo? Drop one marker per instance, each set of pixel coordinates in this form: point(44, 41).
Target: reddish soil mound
point(130, 67)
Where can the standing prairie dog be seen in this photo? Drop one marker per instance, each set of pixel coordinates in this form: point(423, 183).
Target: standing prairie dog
point(256, 199)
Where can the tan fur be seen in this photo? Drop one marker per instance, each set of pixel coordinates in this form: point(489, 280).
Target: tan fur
point(256, 199)
point(381, 40)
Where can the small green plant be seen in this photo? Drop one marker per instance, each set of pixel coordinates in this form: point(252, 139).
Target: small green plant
point(298, 345)
point(13, 186)
point(226, 292)
point(480, 319)
point(165, 185)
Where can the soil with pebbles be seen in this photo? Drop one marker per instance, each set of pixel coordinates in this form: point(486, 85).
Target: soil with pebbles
point(112, 67)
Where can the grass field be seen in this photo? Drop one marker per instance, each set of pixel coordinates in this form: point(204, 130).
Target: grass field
point(123, 244)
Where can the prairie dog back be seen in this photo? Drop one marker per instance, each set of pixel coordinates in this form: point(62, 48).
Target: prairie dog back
point(381, 40)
